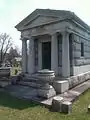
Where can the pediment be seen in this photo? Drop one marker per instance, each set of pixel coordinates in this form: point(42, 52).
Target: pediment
point(40, 20)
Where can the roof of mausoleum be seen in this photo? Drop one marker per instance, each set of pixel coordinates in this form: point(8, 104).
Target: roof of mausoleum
point(53, 13)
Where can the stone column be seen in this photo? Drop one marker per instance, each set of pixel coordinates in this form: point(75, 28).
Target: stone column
point(65, 55)
point(39, 55)
point(24, 55)
point(54, 53)
point(31, 56)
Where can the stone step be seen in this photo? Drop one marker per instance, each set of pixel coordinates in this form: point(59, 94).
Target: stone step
point(22, 92)
point(30, 84)
point(4, 83)
point(28, 79)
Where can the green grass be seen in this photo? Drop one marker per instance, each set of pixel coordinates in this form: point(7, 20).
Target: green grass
point(14, 109)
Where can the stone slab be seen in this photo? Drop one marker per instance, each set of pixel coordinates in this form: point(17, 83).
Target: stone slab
point(46, 93)
point(4, 83)
point(56, 103)
point(61, 86)
point(78, 79)
point(30, 84)
point(66, 107)
point(21, 91)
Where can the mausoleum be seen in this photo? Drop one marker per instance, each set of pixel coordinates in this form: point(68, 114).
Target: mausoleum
point(57, 40)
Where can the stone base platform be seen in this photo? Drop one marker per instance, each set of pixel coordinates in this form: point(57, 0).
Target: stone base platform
point(60, 82)
point(29, 93)
point(31, 88)
point(72, 94)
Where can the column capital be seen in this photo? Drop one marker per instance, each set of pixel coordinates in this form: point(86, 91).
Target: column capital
point(65, 31)
point(25, 37)
point(53, 33)
point(31, 37)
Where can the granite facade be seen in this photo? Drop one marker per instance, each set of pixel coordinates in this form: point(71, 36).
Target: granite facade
point(78, 59)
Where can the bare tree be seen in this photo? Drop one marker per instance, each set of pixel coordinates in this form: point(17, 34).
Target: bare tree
point(13, 52)
point(5, 45)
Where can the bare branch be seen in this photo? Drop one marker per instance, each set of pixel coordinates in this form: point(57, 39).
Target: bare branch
point(5, 45)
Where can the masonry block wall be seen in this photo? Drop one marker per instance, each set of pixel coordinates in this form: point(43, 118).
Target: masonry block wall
point(81, 53)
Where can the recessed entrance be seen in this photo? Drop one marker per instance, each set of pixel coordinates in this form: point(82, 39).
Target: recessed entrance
point(46, 55)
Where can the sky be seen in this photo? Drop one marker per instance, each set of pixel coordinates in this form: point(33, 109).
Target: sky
point(13, 11)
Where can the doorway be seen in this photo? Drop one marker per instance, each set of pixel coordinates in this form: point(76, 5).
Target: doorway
point(46, 55)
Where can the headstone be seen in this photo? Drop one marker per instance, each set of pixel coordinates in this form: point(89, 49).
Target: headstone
point(66, 107)
point(56, 103)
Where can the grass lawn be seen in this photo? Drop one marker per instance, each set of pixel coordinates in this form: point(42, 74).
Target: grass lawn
point(14, 109)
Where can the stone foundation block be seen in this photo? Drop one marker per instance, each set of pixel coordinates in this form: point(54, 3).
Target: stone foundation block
point(61, 86)
point(66, 107)
point(56, 103)
point(75, 80)
point(46, 93)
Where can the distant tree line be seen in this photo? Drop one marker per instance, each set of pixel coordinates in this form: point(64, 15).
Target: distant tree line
point(7, 51)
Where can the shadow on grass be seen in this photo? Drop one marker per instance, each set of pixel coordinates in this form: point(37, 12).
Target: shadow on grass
point(7, 100)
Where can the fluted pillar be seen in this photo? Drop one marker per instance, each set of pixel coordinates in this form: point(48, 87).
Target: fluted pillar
point(31, 56)
point(24, 55)
point(39, 55)
point(65, 55)
point(54, 53)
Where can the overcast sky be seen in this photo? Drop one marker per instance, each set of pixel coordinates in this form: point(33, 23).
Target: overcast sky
point(13, 11)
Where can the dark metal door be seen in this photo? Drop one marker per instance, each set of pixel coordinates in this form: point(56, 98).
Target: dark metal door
point(46, 55)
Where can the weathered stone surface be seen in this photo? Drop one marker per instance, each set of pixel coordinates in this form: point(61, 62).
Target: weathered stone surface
point(72, 81)
point(46, 93)
point(30, 84)
point(46, 75)
point(56, 103)
point(66, 107)
point(87, 76)
point(30, 93)
point(4, 71)
point(61, 86)
point(4, 83)
point(75, 80)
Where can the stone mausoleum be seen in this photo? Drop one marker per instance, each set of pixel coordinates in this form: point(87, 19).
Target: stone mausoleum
point(57, 40)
